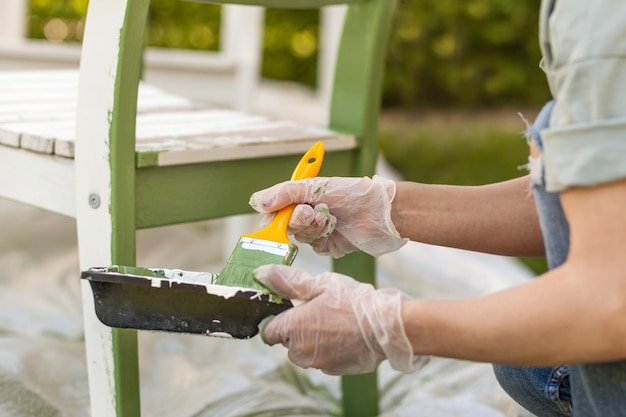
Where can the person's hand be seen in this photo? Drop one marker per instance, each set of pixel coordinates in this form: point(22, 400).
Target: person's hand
point(343, 327)
point(336, 215)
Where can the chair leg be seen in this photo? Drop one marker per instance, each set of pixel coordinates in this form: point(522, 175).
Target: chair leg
point(112, 365)
point(359, 392)
point(106, 235)
point(105, 194)
point(360, 395)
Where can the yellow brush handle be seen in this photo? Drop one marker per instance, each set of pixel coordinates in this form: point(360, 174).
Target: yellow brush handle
point(308, 167)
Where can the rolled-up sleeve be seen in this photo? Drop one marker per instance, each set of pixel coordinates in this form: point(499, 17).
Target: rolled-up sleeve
point(584, 45)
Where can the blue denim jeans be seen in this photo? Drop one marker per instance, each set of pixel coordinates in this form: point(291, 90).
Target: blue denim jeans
point(579, 390)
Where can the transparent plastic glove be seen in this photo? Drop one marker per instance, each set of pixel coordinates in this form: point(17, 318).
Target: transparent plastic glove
point(336, 215)
point(343, 327)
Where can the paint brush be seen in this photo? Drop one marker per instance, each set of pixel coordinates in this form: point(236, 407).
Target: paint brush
point(270, 245)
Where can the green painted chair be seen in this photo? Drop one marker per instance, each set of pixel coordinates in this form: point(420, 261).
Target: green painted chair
point(129, 157)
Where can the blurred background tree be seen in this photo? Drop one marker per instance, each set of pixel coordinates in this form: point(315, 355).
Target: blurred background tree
point(443, 53)
point(465, 53)
point(290, 39)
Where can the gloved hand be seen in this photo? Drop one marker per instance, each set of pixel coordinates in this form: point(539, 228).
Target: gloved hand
point(336, 215)
point(344, 327)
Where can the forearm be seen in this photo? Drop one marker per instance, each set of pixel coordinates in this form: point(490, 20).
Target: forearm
point(497, 218)
point(575, 313)
point(546, 322)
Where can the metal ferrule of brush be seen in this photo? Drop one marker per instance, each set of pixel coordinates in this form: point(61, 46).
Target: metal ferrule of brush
point(288, 251)
point(260, 252)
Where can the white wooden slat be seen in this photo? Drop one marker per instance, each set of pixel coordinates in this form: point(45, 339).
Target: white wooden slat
point(8, 138)
point(38, 113)
point(21, 91)
point(192, 116)
point(163, 102)
point(272, 138)
point(217, 132)
point(252, 149)
point(26, 78)
point(144, 104)
point(44, 132)
point(34, 76)
point(34, 116)
point(208, 138)
point(40, 91)
point(43, 80)
point(38, 96)
point(54, 80)
point(37, 143)
point(214, 136)
point(57, 136)
point(49, 127)
point(65, 93)
point(22, 108)
point(195, 127)
point(37, 136)
point(65, 148)
point(257, 136)
point(23, 86)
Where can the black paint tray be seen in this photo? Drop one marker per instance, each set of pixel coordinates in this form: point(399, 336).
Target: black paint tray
point(178, 301)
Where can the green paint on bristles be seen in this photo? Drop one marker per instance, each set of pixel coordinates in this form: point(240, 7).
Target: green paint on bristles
point(239, 269)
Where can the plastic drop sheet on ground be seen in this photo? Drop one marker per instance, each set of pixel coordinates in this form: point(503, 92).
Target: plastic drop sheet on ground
point(42, 360)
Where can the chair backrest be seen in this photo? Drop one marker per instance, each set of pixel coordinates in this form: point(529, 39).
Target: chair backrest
point(356, 89)
point(111, 62)
point(230, 74)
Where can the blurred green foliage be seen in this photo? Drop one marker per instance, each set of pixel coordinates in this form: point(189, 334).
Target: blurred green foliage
point(465, 53)
point(442, 53)
point(463, 148)
point(176, 24)
point(290, 45)
point(290, 39)
point(457, 147)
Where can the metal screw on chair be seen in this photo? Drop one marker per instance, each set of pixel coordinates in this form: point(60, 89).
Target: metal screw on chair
point(94, 201)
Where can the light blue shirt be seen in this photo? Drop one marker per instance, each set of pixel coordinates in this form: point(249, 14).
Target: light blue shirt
point(584, 56)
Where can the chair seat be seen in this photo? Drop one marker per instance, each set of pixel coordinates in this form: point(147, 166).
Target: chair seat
point(38, 114)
